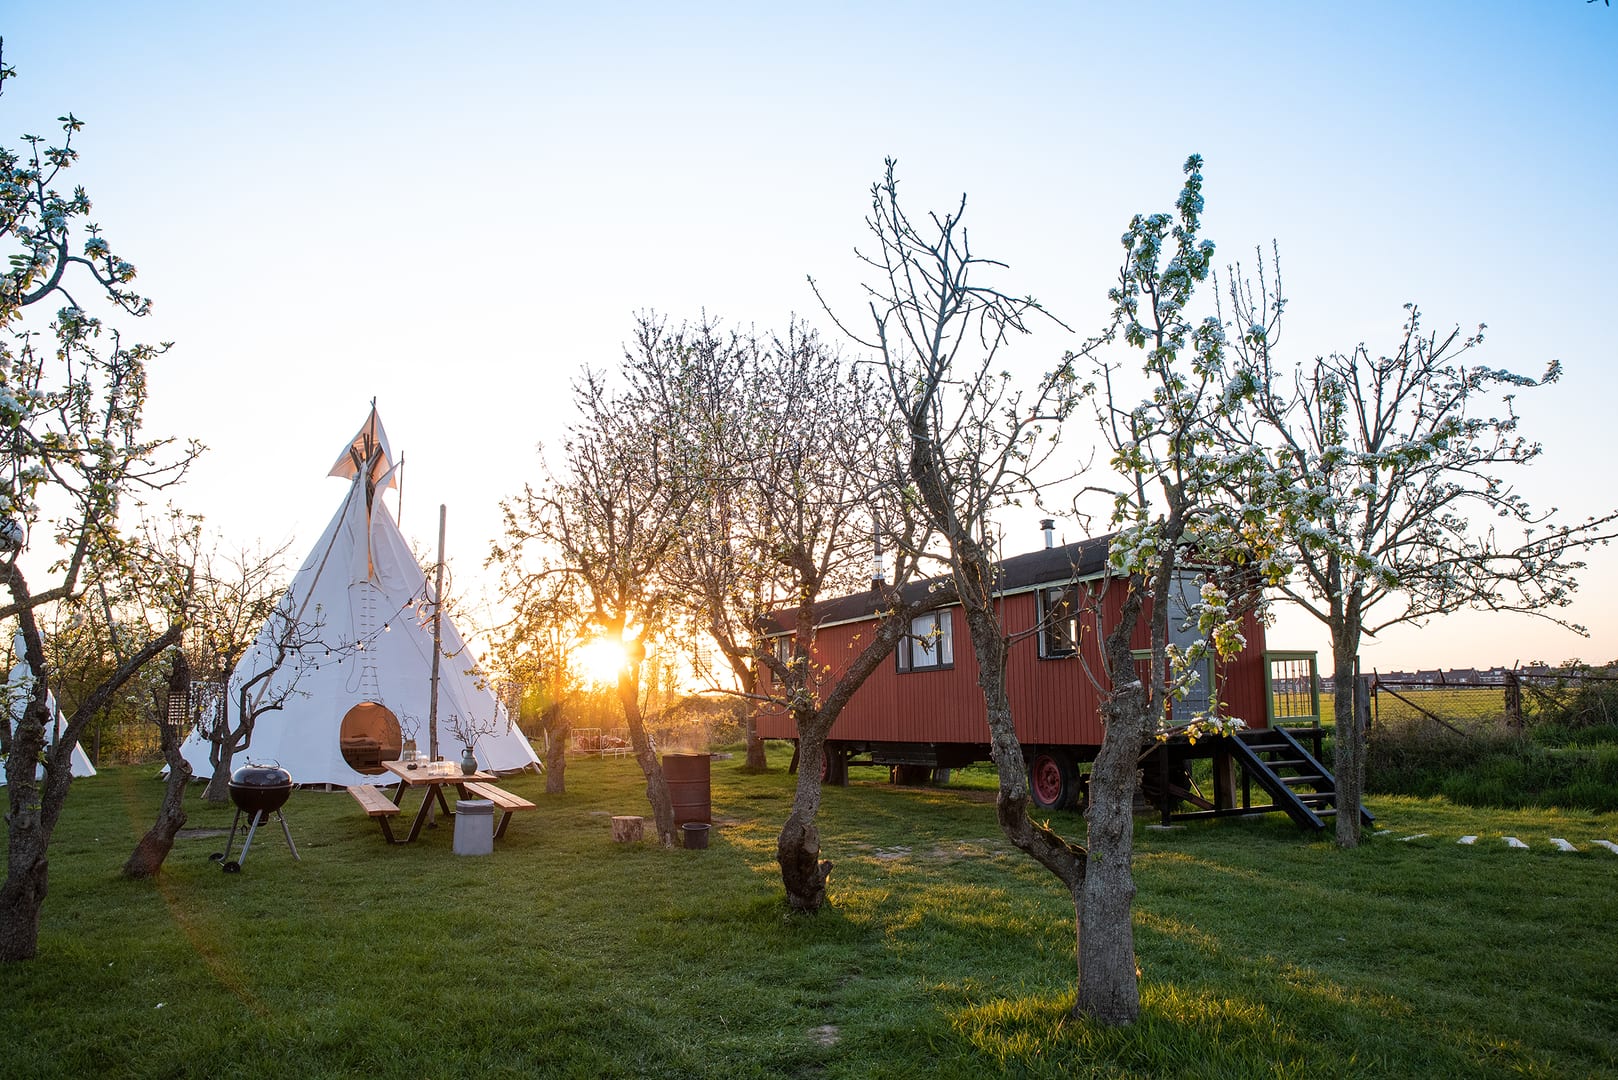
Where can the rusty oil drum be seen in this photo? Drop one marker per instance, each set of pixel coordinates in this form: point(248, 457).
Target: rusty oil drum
point(689, 786)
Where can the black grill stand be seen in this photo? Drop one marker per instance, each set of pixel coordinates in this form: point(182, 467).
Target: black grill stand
point(255, 818)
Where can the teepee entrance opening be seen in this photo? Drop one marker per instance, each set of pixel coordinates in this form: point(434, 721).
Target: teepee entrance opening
point(369, 736)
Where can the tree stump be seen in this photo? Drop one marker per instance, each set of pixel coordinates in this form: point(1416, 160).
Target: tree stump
point(627, 829)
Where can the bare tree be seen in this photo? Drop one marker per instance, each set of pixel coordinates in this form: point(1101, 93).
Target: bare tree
point(699, 386)
point(262, 681)
point(236, 592)
point(1378, 465)
point(170, 712)
point(787, 451)
point(974, 443)
point(977, 442)
point(611, 522)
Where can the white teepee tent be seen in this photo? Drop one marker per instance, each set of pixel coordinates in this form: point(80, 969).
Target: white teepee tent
point(365, 685)
point(18, 686)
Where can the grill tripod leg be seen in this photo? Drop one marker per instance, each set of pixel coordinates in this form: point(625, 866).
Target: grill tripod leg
point(251, 829)
point(224, 856)
point(285, 829)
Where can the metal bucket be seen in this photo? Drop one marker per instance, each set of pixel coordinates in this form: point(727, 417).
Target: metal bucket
point(474, 827)
point(689, 787)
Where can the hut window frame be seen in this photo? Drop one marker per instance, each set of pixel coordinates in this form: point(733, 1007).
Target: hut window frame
point(929, 645)
point(1059, 628)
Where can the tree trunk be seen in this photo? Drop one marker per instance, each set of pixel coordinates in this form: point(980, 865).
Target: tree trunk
point(556, 757)
point(1109, 981)
point(803, 871)
point(1109, 986)
point(756, 761)
point(21, 898)
point(147, 858)
point(27, 873)
point(154, 847)
point(1348, 739)
point(221, 751)
point(657, 788)
point(35, 806)
point(218, 790)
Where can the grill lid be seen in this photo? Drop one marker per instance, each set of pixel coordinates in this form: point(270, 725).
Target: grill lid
point(261, 776)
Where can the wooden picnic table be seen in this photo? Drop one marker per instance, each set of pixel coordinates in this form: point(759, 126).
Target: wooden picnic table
point(434, 777)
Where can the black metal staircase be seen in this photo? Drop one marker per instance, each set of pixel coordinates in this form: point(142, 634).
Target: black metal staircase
point(1294, 778)
point(1270, 759)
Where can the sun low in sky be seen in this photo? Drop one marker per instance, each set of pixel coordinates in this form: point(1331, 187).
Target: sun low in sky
point(601, 661)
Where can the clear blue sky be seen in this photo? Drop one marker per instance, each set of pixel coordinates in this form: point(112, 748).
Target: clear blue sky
point(452, 208)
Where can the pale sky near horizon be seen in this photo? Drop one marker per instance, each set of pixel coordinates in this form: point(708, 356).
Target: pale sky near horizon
point(452, 211)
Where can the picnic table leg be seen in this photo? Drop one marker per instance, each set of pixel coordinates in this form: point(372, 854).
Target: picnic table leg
point(421, 816)
point(500, 830)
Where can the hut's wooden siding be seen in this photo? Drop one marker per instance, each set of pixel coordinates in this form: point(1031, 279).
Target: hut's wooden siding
point(1053, 701)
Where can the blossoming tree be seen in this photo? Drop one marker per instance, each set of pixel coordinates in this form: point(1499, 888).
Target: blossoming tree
point(1377, 465)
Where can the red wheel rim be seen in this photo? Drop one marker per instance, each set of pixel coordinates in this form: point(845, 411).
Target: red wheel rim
point(1047, 779)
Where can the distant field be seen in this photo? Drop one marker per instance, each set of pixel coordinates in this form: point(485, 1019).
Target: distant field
point(1472, 704)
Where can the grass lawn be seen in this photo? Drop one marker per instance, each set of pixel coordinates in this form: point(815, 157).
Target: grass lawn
point(1264, 952)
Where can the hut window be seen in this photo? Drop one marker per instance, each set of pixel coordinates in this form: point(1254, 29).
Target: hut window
point(930, 644)
point(1059, 622)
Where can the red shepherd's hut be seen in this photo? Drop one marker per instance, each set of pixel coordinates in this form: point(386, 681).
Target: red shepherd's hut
point(923, 710)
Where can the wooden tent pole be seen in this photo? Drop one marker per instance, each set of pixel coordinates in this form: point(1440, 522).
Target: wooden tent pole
point(438, 614)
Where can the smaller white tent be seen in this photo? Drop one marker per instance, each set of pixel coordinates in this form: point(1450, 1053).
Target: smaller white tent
point(361, 681)
point(19, 685)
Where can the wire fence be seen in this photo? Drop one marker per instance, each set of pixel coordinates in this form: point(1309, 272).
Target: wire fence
point(1460, 708)
point(1466, 700)
point(1576, 697)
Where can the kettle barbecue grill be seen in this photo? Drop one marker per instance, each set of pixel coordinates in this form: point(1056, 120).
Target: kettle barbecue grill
point(256, 790)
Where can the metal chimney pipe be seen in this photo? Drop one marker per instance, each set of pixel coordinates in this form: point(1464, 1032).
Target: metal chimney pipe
point(878, 578)
point(1049, 525)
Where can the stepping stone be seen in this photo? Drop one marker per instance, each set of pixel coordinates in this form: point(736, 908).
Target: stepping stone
point(1562, 845)
point(1513, 842)
point(1608, 844)
point(1468, 840)
point(1414, 836)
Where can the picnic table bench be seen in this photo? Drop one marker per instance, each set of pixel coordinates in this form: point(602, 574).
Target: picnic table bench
point(505, 800)
point(375, 803)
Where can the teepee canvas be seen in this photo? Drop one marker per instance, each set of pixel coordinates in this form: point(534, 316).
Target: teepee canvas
point(18, 686)
point(359, 684)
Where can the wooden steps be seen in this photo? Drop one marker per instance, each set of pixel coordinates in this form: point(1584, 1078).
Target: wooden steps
point(1269, 759)
point(1299, 785)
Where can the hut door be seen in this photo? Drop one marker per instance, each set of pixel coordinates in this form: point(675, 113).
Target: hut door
point(1185, 594)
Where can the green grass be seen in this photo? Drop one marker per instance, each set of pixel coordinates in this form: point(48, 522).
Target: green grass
point(1491, 765)
point(1265, 952)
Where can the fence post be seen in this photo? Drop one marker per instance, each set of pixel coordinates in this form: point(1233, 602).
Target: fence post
point(1362, 701)
point(1514, 701)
